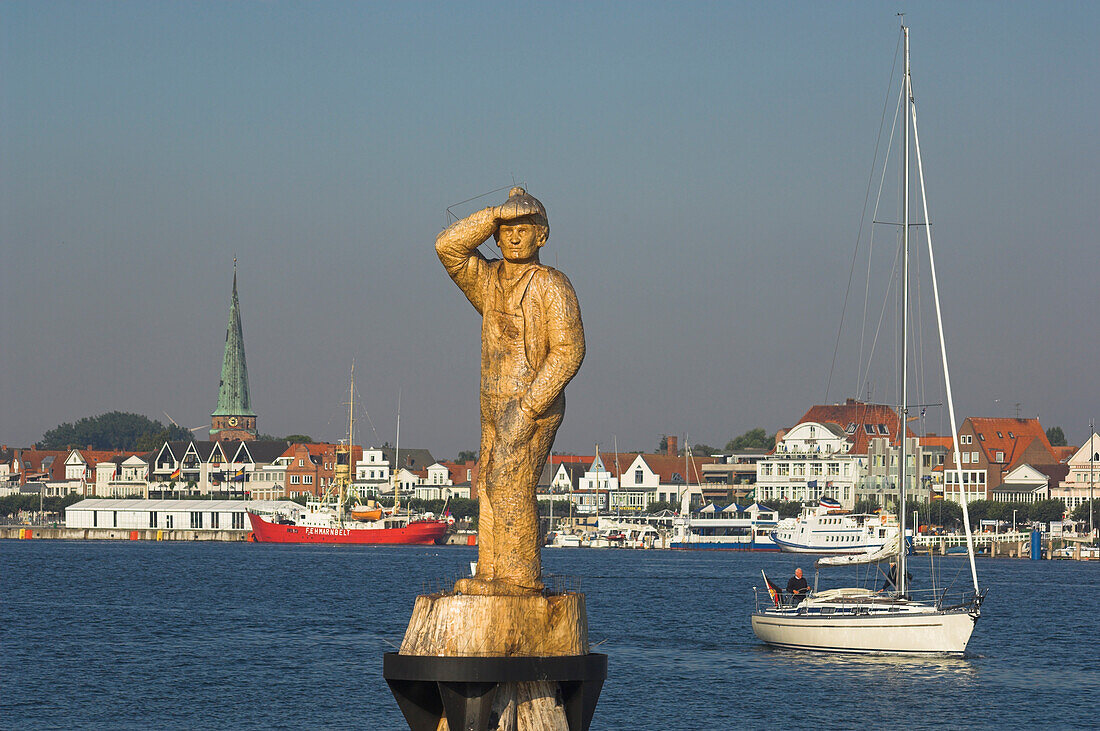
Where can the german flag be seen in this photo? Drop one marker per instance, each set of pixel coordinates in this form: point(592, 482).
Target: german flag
point(774, 591)
point(175, 475)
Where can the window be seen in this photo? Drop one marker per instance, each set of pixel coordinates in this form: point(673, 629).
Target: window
point(1000, 436)
point(638, 476)
point(301, 463)
point(966, 459)
point(152, 519)
point(295, 479)
point(213, 520)
point(238, 521)
point(974, 457)
point(307, 479)
point(95, 518)
point(869, 428)
point(981, 437)
point(196, 520)
point(169, 521)
point(783, 469)
point(882, 429)
point(851, 429)
point(1000, 456)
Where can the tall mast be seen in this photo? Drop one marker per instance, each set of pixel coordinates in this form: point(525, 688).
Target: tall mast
point(900, 582)
point(396, 460)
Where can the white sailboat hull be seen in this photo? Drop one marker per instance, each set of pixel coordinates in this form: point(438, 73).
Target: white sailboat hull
point(911, 633)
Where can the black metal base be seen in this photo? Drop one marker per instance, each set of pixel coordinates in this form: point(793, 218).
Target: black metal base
point(463, 688)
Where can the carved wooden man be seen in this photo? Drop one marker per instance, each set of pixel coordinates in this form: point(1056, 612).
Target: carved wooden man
point(532, 343)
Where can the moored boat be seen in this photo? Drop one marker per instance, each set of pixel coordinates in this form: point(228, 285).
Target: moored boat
point(826, 530)
point(330, 520)
point(318, 529)
point(732, 528)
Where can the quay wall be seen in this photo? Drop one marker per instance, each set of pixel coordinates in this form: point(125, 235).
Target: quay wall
point(119, 534)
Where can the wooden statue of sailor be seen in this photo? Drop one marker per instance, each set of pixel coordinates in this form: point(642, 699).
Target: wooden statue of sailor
point(532, 344)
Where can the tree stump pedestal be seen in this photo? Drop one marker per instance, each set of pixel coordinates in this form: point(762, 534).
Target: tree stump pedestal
point(504, 663)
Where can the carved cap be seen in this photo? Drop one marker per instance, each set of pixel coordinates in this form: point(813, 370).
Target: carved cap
point(519, 197)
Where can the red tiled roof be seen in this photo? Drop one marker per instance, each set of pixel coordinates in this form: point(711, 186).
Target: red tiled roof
point(1064, 453)
point(993, 436)
point(456, 471)
point(858, 413)
point(934, 440)
point(665, 465)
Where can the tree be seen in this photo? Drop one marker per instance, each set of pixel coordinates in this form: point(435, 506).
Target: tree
point(752, 439)
point(658, 505)
point(946, 513)
point(1056, 436)
point(786, 508)
point(466, 456)
point(1046, 511)
point(703, 450)
point(298, 439)
point(662, 446)
point(866, 505)
point(1081, 512)
point(151, 441)
point(113, 430)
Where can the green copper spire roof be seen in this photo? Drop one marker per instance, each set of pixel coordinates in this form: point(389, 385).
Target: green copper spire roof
point(233, 398)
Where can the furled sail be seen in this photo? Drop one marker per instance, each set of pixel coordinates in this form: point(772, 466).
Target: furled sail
point(885, 552)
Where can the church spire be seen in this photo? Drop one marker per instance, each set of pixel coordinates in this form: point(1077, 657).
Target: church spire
point(234, 417)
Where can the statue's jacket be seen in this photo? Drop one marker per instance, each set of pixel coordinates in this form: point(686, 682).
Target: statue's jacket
point(553, 335)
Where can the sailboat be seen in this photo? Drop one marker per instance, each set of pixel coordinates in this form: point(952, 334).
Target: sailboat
point(894, 620)
point(329, 520)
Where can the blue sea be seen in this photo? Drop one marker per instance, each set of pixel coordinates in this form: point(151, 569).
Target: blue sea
point(119, 634)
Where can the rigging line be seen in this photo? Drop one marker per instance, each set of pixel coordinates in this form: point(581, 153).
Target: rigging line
point(882, 312)
point(871, 248)
point(366, 412)
point(862, 220)
point(451, 213)
point(946, 372)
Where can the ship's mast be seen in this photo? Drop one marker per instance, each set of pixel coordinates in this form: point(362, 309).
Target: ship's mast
point(902, 430)
point(342, 468)
point(396, 460)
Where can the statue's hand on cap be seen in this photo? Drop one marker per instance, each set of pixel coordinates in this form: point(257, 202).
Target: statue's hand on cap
point(518, 205)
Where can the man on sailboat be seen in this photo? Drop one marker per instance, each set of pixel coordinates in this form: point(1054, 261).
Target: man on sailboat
point(532, 344)
point(797, 587)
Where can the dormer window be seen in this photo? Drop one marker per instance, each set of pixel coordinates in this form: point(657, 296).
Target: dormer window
point(1000, 436)
point(882, 429)
point(869, 428)
point(851, 428)
point(1011, 435)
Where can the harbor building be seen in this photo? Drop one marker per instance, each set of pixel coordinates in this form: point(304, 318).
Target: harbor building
point(846, 452)
point(169, 515)
point(233, 419)
point(1082, 475)
point(990, 448)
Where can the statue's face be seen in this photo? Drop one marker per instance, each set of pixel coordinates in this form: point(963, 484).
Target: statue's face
point(520, 241)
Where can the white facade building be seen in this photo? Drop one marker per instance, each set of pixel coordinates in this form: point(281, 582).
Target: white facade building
point(197, 515)
point(1083, 475)
point(811, 461)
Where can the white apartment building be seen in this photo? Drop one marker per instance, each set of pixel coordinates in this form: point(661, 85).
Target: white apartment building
point(811, 461)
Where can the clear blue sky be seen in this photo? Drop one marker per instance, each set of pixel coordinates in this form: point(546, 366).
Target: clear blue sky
point(704, 165)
